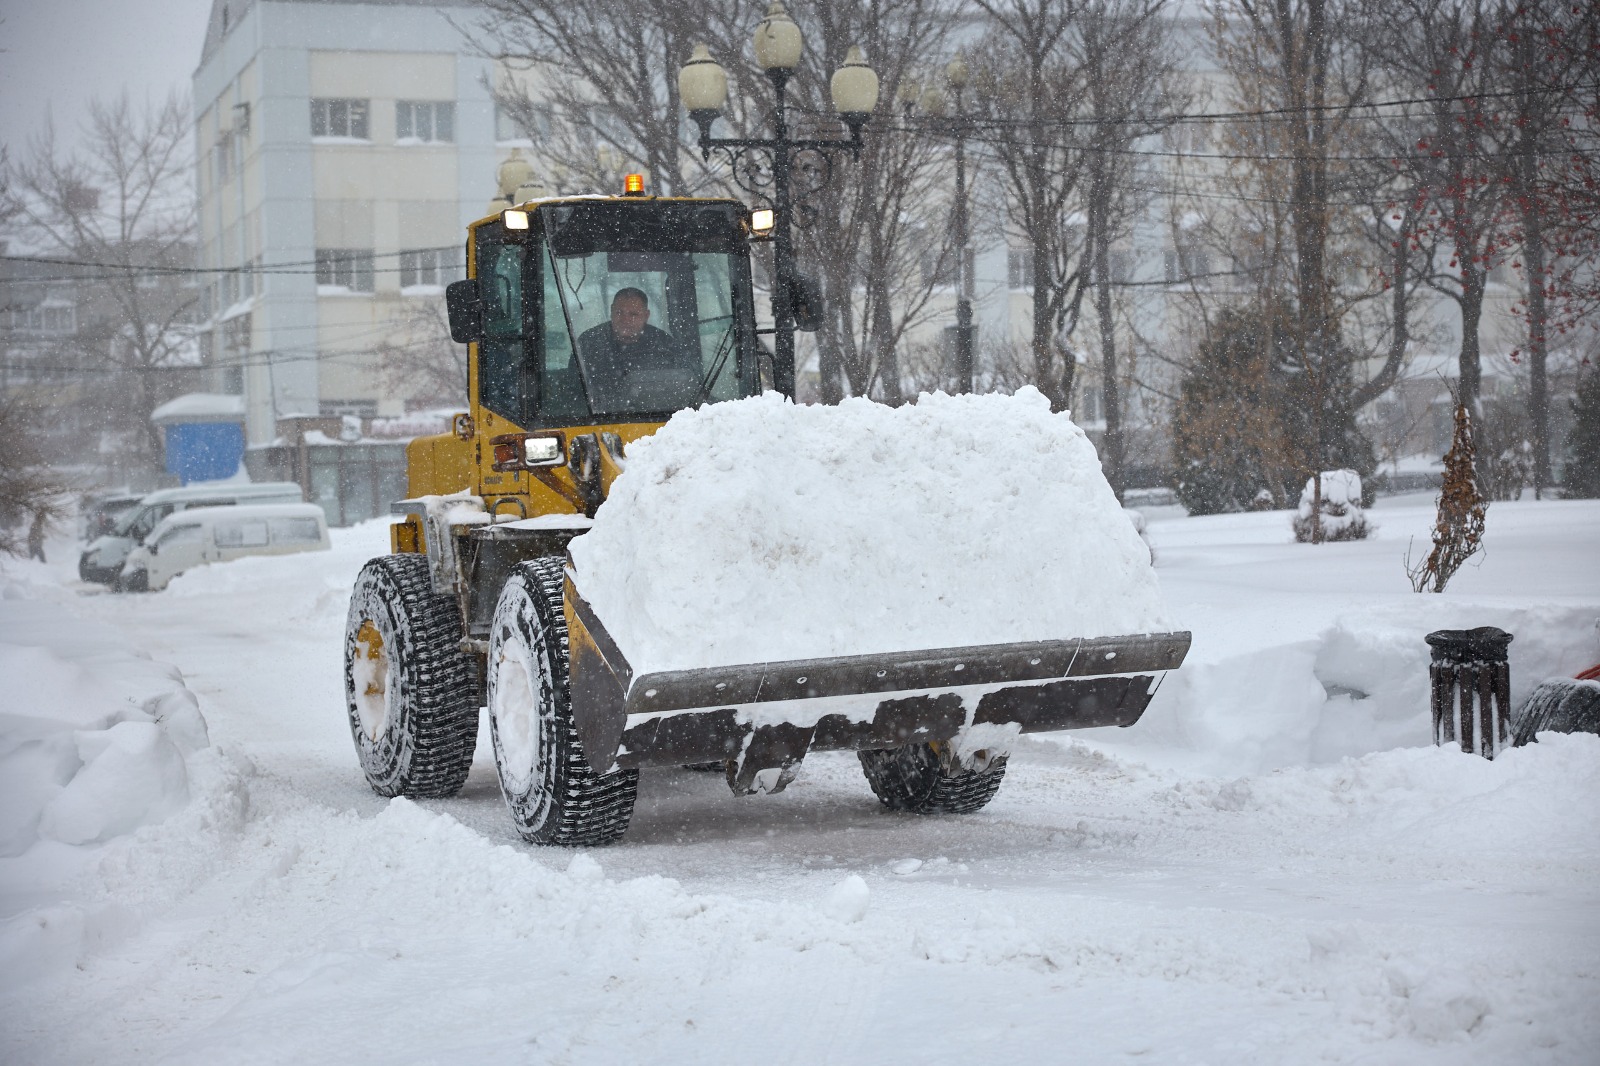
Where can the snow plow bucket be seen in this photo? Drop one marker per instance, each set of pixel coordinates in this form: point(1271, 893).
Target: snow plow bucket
point(765, 717)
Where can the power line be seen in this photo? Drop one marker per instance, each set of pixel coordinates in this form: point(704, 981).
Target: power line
point(948, 134)
point(162, 269)
point(1284, 112)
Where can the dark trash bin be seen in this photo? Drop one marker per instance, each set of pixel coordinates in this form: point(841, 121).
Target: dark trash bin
point(1471, 678)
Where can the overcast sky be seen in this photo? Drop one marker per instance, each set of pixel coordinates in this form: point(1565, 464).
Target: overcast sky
point(56, 55)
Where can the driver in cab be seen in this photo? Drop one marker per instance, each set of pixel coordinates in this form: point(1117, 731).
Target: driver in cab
point(632, 362)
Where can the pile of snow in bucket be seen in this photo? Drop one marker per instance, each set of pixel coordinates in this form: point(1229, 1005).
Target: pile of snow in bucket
point(761, 530)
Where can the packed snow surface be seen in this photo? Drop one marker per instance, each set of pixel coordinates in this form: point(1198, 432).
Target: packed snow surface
point(1273, 866)
point(763, 530)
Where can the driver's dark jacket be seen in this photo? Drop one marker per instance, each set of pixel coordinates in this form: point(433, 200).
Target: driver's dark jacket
point(610, 361)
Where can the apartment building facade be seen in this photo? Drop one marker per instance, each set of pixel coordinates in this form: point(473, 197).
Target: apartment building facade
point(341, 147)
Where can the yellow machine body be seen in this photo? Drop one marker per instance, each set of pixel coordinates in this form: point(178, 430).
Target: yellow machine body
point(470, 511)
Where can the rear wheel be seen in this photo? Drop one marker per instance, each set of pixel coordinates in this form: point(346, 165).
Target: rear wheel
point(555, 796)
point(925, 779)
point(410, 692)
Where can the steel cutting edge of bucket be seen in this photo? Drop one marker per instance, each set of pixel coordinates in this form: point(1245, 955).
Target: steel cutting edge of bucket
point(772, 713)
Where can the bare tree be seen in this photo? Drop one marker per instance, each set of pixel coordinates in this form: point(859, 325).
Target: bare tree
point(593, 74)
point(1124, 51)
point(1031, 87)
point(1296, 64)
point(31, 493)
point(120, 214)
point(1437, 52)
point(878, 235)
point(605, 73)
point(1547, 49)
point(420, 360)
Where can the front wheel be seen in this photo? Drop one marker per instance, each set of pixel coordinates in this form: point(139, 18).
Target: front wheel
point(411, 694)
point(555, 796)
point(925, 779)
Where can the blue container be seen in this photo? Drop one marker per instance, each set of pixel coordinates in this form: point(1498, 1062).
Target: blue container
point(204, 451)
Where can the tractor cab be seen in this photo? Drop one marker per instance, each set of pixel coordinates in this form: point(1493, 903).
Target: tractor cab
point(605, 311)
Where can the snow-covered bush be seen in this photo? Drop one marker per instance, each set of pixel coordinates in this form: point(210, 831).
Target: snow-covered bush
point(1341, 515)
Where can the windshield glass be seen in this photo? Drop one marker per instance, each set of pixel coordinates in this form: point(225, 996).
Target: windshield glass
point(651, 329)
point(617, 311)
point(138, 522)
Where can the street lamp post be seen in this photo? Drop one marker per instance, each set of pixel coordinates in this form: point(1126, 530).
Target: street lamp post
point(956, 74)
point(703, 88)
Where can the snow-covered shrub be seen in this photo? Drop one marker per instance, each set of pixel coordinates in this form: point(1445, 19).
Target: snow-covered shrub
point(1341, 515)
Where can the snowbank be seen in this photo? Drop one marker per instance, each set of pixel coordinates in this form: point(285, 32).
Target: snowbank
point(97, 743)
point(762, 530)
point(90, 748)
point(1308, 654)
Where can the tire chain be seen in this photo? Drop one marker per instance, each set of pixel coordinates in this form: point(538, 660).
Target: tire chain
point(910, 778)
point(436, 683)
point(593, 808)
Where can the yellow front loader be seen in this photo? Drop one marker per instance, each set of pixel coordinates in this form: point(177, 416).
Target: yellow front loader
point(475, 607)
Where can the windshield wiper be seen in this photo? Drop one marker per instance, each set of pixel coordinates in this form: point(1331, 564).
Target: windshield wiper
point(720, 360)
point(566, 314)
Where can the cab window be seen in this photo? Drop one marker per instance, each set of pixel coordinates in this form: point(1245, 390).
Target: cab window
point(502, 374)
point(188, 534)
point(241, 533)
point(294, 530)
point(613, 311)
point(146, 519)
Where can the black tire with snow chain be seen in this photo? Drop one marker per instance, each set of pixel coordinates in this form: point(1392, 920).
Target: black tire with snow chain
point(411, 693)
point(1559, 705)
point(915, 778)
point(555, 796)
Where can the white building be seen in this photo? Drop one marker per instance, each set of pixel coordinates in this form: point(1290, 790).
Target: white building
point(342, 148)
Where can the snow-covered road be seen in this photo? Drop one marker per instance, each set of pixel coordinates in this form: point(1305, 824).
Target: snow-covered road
point(1273, 867)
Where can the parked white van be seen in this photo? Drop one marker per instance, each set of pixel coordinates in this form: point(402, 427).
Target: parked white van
point(103, 558)
point(200, 535)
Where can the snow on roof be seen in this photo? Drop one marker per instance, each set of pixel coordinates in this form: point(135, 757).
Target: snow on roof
point(200, 407)
point(413, 424)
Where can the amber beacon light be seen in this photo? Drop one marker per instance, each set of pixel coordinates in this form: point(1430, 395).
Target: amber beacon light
point(633, 185)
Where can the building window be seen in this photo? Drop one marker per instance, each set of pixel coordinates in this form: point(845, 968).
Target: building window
point(339, 118)
point(1187, 261)
point(346, 269)
point(1089, 406)
point(224, 155)
point(428, 121)
point(430, 267)
point(522, 124)
point(49, 317)
point(236, 341)
point(56, 318)
point(1019, 268)
point(1119, 264)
